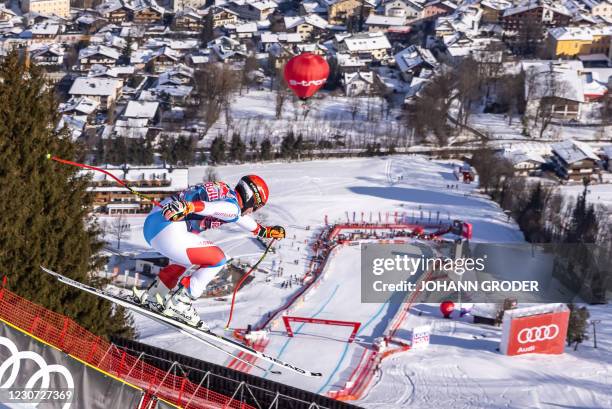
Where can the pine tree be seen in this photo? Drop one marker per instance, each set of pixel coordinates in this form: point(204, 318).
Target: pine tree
point(208, 31)
point(217, 150)
point(578, 325)
point(46, 206)
point(126, 52)
point(237, 148)
point(287, 145)
point(265, 150)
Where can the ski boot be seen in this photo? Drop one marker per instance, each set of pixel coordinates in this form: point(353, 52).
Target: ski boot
point(153, 297)
point(180, 307)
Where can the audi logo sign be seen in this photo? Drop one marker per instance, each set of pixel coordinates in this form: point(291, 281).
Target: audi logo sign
point(534, 334)
point(542, 333)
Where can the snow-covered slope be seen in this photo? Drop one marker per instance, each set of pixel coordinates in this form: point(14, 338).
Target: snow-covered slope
point(457, 369)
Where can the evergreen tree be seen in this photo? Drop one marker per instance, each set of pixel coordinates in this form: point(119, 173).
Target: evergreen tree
point(126, 52)
point(217, 150)
point(46, 207)
point(287, 149)
point(208, 31)
point(237, 148)
point(265, 150)
point(578, 325)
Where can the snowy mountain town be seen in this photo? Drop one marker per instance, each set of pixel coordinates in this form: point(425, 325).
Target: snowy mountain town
point(306, 204)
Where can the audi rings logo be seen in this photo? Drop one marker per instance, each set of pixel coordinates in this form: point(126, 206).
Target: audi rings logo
point(305, 83)
point(534, 334)
point(13, 364)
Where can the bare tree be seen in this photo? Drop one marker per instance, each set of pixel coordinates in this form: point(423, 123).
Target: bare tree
point(119, 228)
point(214, 87)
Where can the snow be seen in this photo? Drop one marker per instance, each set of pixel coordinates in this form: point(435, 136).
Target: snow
point(461, 367)
point(141, 109)
point(95, 86)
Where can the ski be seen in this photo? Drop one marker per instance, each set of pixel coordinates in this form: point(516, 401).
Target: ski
point(206, 336)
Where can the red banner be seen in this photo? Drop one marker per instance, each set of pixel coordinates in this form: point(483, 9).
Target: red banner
point(539, 334)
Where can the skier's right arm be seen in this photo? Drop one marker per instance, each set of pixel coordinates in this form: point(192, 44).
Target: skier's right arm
point(226, 210)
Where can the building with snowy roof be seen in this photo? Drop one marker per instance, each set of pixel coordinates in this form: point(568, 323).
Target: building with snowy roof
point(574, 160)
point(104, 91)
point(374, 46)
point(59, 8)
point(156, 183)
point(403, 8)
point(376, 22)
point(97, 54)
point(413, 59)
point(580, 40)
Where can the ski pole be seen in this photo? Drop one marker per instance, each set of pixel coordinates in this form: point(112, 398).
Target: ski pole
point(244, 278)
point(121, 182)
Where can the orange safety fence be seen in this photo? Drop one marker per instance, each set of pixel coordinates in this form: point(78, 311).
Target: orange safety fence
point(66, 335)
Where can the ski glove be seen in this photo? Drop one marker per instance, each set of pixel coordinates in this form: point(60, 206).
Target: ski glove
point(271, 232)
point(177, 210)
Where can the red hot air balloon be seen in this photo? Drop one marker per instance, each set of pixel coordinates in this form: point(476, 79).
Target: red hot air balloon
point(305, 74)
point(447, 307)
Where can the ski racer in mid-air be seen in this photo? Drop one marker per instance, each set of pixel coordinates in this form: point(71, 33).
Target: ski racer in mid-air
point(174, 231)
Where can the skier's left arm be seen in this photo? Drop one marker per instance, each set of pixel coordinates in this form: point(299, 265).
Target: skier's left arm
point(246, 222)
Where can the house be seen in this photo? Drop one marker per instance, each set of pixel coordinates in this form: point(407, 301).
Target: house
point(245, 30)
point(383, 23)
point(574, 160)
point(493, 10)
point(148, 110)
point(59, 8)
point(524, 162)
point(114, 11)
point(188, 19)
point(42, 32)
point(581, 40)
point(178, 75)
point(554, 86)
point(97, 54)
point(162, 59)
point(403, 8)
point(178, 5)
point(541, 12)
point(104, 91)
point(49, 55)
point(436, 8)
point(341, 12)
point(80, 106)
point(221, 16)
point(367, 46)
point(252, 9)
point(414, 59)
point(358, 83)
point(348, 63)
point(149, 263)
point(599, 8)
point(156, 183)
point(147, 13)
point(309, 27)
point(226, 49)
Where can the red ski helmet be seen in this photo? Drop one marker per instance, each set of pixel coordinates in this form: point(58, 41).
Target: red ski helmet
point(253, 192)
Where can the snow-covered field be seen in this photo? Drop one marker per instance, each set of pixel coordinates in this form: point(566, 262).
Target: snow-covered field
point(351, 121)
point(461, 367)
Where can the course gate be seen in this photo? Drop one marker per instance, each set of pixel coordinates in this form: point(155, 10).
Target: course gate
point(287, 320)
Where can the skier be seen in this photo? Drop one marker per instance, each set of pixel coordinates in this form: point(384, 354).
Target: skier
point(174, 230)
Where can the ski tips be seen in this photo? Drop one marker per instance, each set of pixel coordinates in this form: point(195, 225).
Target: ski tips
point(275, 372)
point(48, 156)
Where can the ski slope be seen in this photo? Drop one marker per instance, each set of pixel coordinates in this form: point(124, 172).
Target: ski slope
point(461, 367)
